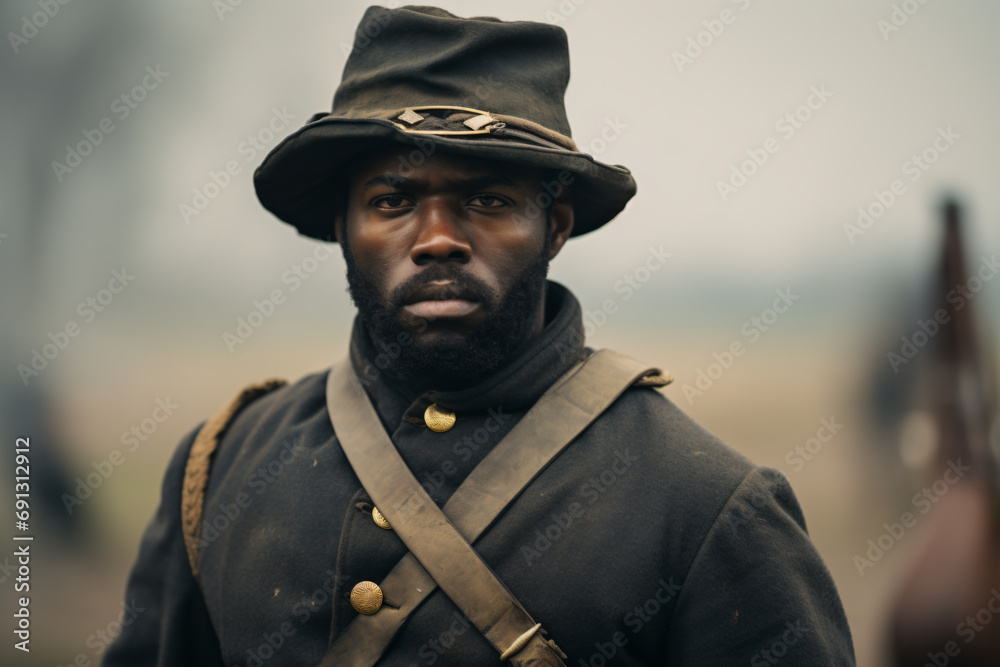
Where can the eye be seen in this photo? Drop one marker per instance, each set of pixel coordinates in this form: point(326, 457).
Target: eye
point(391, 201)
point(488, 201)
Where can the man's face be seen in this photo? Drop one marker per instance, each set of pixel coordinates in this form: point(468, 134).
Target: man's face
point(454, 252)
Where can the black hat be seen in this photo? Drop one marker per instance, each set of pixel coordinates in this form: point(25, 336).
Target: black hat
point(425, 77)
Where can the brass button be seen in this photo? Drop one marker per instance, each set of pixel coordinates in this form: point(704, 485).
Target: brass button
point(366, 598)
point(380, 520)
point(438, 419)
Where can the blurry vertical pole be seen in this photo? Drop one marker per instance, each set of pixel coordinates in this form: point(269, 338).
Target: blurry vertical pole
point(955, 573)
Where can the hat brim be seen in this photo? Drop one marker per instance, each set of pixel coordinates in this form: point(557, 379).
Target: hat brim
point(298, 180)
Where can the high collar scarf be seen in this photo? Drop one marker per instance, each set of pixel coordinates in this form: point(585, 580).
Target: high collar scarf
point(516, 384)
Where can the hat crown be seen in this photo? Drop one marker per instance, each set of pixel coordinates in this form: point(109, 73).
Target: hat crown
point(424, 56)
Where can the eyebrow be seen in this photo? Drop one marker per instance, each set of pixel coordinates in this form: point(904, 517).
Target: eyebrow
point(392, 181)
point(470, 183)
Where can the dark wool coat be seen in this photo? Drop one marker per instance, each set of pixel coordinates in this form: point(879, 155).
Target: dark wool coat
point(647, 542)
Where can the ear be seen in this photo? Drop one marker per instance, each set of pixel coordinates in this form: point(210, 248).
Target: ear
point(338, 226)
point(561, 220)
point(340, 217)
point(340, 204)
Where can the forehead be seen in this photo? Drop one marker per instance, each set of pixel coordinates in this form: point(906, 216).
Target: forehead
point(439, 166)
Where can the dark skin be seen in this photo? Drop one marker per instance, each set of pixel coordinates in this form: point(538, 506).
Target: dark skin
point(481, 216)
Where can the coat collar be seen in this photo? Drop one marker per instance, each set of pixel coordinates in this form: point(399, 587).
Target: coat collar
point(515, 385)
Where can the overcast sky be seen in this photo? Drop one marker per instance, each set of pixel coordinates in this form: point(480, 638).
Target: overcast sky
point(884, 85)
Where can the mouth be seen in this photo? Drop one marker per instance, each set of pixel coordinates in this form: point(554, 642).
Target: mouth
point(441, 299)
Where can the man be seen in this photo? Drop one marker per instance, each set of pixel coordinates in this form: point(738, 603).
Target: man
point(330, 521)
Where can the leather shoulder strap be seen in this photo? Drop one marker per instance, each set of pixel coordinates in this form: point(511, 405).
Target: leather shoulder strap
point(440, 554)
point(199, 464)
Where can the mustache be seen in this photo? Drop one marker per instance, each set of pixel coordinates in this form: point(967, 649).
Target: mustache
point(463, 282)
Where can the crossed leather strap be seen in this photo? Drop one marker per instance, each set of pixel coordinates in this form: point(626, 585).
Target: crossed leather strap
point(439, 540)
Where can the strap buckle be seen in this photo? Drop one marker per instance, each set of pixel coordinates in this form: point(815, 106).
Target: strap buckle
point(520, 642)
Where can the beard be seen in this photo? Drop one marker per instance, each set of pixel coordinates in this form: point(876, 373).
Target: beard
point(460, 361)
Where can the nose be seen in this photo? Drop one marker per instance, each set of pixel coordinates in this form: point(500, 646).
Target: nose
point(440, 237)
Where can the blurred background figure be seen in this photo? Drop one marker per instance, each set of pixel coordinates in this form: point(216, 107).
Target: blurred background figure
point(950, 594)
